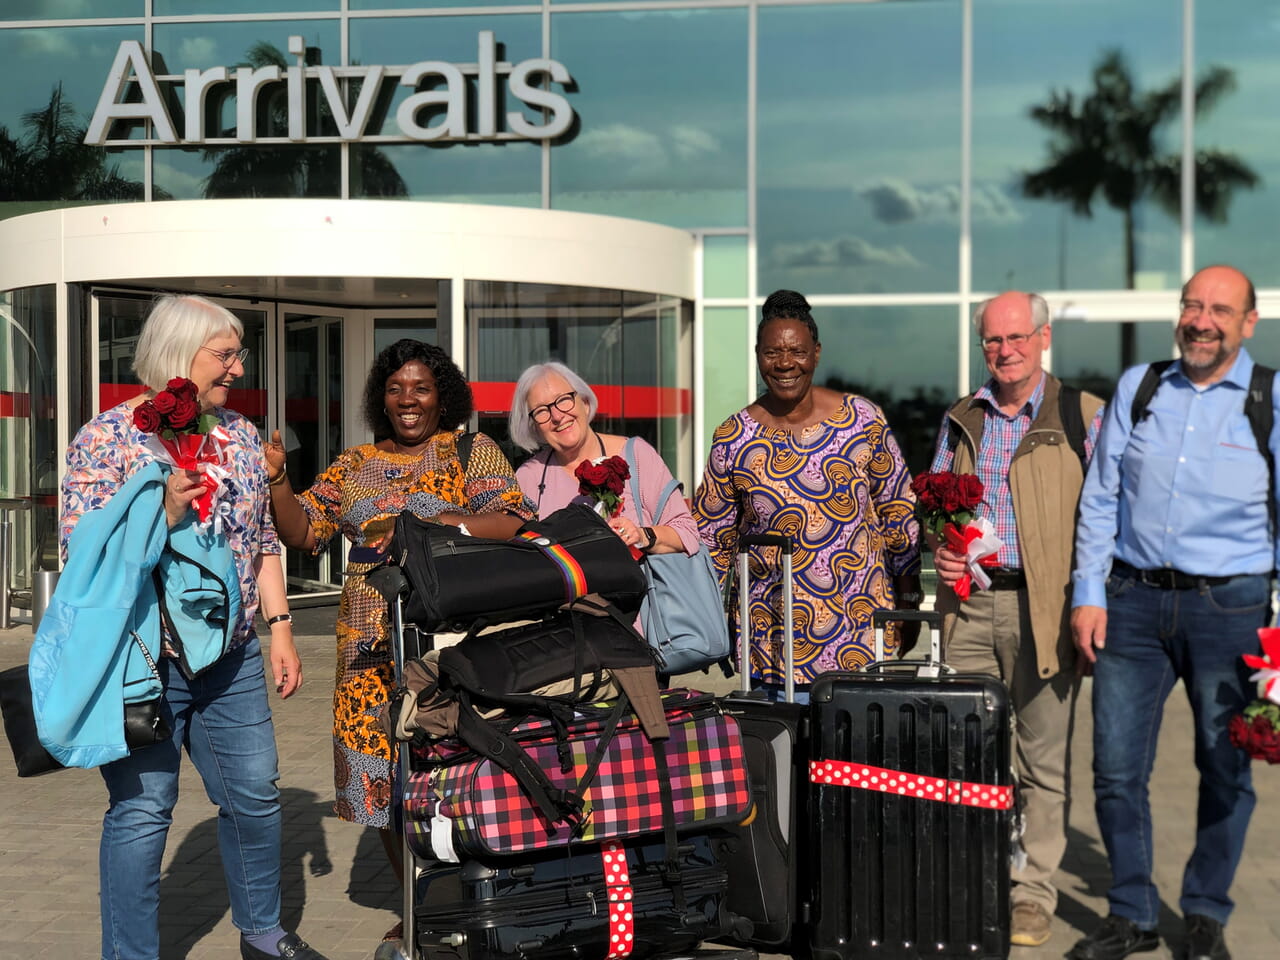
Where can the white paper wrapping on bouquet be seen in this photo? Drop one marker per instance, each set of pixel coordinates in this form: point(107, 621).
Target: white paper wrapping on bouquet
point(986, 544)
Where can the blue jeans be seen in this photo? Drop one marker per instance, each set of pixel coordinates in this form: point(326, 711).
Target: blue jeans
point(1155, 637)
point(224, 721)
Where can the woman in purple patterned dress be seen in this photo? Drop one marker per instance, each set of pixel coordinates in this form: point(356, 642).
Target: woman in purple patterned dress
point(824, 469)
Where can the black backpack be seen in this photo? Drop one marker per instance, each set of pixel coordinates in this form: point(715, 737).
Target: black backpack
point(1258, 410)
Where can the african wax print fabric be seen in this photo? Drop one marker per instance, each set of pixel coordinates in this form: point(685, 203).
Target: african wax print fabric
point(359, 496)
point(841, 491)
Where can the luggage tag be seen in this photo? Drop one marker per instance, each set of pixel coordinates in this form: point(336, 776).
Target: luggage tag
point(442, 838)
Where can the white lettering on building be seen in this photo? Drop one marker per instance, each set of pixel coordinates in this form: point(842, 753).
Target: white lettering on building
point(133, 93)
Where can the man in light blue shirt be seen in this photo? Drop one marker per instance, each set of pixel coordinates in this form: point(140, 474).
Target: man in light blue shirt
point(1174, 557)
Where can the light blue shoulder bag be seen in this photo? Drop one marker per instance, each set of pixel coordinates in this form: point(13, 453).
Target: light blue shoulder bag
point(683, 611)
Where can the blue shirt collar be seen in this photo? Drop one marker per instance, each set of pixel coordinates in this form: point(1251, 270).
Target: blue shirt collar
point(1238, 376)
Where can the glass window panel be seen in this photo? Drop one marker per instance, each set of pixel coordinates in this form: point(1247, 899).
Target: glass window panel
point(1087, 354)
point(1240, 131)
point(662, 104)
point(29, 451)
point(625, 345)
point(728, 375)
point(187, 8)
point(59, 72)
point(504, 172)
point(911, 384)
point(1025, 54)
point(417, 4)
point(724, 266)
point(250, 170)
point(70, 9)
point(859, 154)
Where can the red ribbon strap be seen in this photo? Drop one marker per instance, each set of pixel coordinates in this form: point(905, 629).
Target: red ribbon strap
point(617, 884)
point(834, 773)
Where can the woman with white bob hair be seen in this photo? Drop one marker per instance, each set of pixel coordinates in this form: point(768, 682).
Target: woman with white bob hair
point(552, 409)
point(190, 353)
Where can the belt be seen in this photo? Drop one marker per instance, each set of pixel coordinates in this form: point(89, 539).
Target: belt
point(1166, 578)
point(1007, 578)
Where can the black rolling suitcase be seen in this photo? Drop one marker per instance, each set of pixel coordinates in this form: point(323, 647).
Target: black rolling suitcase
point(911, 807)
point(612, 901)
point(766, 855)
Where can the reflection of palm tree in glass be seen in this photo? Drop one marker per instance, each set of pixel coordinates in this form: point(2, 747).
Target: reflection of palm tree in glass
point(51, 161)
point(285, 170)
point(1107, 143)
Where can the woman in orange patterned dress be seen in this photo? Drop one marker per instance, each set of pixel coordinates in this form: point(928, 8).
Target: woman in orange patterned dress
point(414, 402)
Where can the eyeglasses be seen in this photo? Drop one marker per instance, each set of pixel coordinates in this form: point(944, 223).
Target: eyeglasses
point(1219, 311)
point(564, 403)
point(796, 355)
point(1016, 340)
point(228, 357)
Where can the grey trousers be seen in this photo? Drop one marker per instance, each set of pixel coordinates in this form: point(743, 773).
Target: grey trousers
point(992, 635)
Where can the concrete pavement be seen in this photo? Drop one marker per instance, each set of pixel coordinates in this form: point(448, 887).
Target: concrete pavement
point(339, 893)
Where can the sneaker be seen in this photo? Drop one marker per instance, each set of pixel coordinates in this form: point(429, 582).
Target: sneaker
point(1031, 925)
point(1116, 938)
point(1204, 939)
point(291, 946)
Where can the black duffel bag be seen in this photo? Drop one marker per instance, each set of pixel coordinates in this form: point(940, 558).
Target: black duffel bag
point(455, 579)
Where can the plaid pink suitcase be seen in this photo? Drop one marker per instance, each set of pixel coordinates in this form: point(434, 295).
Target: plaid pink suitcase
point(467, 805)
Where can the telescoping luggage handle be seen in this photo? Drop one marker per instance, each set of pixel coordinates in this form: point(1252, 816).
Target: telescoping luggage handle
point(931, 666)
point(784, 544)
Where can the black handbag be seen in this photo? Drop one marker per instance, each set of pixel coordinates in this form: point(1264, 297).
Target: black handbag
point(20, 724)
point(455, 579)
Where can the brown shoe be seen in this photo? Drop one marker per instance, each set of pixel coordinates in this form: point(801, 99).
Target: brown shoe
point(1031, 925)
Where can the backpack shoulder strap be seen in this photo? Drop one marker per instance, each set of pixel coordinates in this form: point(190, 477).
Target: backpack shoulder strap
point(1072, 419)
point(1146, 390)
point(1260, 412)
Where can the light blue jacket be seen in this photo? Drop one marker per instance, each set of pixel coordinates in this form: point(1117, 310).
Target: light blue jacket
point(86, 662)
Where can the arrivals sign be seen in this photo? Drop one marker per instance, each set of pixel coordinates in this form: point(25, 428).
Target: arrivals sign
point(442, 111)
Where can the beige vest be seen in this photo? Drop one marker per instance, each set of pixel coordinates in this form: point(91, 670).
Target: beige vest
point(1045, 477)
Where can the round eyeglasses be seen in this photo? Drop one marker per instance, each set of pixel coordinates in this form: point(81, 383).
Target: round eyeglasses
point(564, 403)
point(228, 357)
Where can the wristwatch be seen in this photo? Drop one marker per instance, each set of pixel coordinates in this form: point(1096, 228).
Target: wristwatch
point(653, 538)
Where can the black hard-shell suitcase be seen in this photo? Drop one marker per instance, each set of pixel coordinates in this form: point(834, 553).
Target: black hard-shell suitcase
point(555, 905)
point(901, 875)
point(766, 855)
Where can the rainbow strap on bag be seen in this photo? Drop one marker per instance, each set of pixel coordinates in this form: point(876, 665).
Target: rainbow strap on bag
point(575, 580)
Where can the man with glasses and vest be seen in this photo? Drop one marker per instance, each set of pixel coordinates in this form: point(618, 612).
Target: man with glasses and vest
point(1175, 551)
point(1024, 434)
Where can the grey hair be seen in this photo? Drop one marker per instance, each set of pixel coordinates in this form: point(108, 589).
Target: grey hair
point(1039, 312)
point(176, 328)
point(523, 431)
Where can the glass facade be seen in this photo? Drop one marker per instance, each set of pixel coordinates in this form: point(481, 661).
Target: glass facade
point(899, 160)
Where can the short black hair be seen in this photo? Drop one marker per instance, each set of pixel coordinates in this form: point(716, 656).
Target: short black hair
point(451, 386)
point(786, 305)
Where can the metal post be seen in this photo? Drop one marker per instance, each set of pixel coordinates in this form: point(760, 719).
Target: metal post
point(6, 539)
point(43, 583)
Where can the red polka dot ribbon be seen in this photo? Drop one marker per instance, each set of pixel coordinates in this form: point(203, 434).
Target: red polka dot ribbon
point(617, 883)
point(984, 795)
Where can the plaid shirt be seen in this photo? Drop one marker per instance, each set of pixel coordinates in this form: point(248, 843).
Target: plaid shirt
point(1001, 434)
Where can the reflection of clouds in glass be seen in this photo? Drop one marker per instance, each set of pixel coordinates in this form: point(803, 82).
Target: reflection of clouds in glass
point(644, 150)
point(842, 251)
point(198, 50)
point(51, 9)
point(45, 43)
point(895, 201)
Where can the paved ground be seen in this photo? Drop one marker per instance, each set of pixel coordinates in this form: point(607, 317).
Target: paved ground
point(340, 894)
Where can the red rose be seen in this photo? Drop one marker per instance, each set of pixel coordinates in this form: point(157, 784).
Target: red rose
point(1238, 731)
point(970, 490)
point(924, 486)
point(615, 485)
point(185, 412)
point(164, 403)
point(182, 387)
point(146, 417)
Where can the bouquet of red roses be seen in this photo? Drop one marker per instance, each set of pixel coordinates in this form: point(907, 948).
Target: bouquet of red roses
point(1256, 731)
point(604, 481)
point(186, 439)
point(946, 503)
